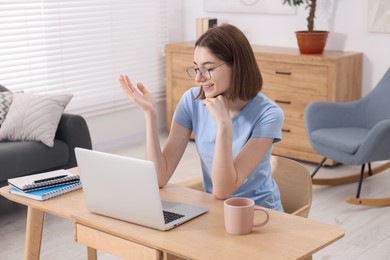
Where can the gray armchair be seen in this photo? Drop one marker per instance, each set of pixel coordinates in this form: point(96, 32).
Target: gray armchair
point(354, 133)
point(24, 158)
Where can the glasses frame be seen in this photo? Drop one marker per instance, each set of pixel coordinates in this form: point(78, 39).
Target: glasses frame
point(202, 71)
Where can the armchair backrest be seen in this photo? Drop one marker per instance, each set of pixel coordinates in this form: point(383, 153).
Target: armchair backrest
point(376, 105)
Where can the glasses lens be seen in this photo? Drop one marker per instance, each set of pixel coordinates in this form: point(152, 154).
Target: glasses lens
point(191, 72)
point(204, 72)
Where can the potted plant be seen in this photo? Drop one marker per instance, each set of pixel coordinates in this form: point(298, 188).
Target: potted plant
point(310, 41)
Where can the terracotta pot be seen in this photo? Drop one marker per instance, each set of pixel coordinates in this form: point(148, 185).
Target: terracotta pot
point(311, 42)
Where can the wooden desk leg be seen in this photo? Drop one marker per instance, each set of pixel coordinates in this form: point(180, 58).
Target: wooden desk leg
point(92, 253)
point(34, 228)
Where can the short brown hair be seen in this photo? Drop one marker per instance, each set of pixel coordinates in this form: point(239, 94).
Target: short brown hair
point(230, 45)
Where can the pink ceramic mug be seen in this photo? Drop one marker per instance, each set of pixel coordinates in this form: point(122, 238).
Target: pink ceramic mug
point(239, 213)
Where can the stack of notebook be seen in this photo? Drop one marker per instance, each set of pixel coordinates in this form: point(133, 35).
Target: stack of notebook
point(44, 186)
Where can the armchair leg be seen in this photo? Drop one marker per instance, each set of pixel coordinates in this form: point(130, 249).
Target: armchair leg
point(361, 180)
point(376, 202)
point(369, 169)
point(351, 178)
point(318, 167)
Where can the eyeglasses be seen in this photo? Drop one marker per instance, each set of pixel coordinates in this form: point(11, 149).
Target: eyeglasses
point(204, 72)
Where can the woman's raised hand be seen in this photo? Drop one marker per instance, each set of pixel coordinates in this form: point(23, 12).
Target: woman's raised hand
point(140, 97)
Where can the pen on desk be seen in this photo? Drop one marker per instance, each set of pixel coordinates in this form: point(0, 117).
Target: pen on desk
point(50, 179)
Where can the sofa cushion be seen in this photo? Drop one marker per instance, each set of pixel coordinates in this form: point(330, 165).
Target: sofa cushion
point(22, 158)
point(34, 117)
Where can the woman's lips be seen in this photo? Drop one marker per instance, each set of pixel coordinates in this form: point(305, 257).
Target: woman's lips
point(206, 87)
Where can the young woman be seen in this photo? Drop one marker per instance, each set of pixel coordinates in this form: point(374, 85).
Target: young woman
point(235, 125)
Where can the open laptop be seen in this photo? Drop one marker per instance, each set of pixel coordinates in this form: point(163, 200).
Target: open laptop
point(127, 189)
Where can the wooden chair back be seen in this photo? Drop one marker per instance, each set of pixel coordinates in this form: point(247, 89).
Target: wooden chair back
point(294, 183)
point(293, 180)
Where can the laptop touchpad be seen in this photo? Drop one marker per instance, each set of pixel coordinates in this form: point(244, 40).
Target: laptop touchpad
point(166, 204)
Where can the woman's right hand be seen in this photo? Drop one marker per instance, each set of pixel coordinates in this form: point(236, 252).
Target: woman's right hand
point(141, 98)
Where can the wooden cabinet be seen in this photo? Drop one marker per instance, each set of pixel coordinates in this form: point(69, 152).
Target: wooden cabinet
point(290, 79)
point(178, 58)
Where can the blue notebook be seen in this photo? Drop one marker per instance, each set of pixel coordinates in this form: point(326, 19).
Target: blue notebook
point(47, 193)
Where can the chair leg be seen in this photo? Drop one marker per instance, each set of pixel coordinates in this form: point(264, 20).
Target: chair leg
point(369, 169)
point(361, 180)
point(318, 167)
point(376, 202)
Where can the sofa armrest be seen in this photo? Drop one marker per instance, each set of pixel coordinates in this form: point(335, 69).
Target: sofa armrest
point(73, 130)
point(2, 88)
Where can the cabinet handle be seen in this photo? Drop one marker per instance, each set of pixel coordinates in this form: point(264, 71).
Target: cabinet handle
point(283, 73)
point(283, 101)
point(286, 130)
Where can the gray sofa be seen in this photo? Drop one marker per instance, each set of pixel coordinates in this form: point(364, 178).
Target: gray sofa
point(24, 158)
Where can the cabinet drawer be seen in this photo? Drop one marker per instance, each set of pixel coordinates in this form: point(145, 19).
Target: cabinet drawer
point(114, 245)
point(295, 78)
point(180, 63)
point(293, 104)
point(294, 136)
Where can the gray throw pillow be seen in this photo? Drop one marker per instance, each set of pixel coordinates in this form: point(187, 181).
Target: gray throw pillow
point(5, 103)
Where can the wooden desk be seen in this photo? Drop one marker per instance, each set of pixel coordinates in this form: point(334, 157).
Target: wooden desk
point(284, 237)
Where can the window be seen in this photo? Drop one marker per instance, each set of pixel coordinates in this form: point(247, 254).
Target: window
point(82, 46)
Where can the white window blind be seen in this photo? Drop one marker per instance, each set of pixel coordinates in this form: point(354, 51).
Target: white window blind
point(81, 47)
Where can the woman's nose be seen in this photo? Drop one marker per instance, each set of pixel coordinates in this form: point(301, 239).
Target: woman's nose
point(199, 77)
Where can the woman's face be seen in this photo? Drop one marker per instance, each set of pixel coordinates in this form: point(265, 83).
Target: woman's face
point(220, 72)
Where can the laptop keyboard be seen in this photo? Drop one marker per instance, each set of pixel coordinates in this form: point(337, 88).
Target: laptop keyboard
point(170, 216)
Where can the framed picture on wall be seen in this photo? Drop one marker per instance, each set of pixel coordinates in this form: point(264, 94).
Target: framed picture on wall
point(248, 6)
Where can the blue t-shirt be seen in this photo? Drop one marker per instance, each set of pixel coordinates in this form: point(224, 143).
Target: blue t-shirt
point(261, 117)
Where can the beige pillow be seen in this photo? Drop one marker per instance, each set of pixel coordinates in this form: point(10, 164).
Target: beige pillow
point(34, 117)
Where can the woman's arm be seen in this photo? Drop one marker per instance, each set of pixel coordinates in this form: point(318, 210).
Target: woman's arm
point(167, 160)
point(228, 174)
point(174, 148)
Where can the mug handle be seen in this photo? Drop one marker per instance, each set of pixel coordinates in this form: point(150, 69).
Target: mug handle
point(266, 214)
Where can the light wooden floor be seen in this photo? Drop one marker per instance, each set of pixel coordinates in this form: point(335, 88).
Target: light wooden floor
point(367, 229)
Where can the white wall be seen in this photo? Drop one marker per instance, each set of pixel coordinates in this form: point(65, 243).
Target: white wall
point(345, 19)
point(124, 127)
point(121, 128)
